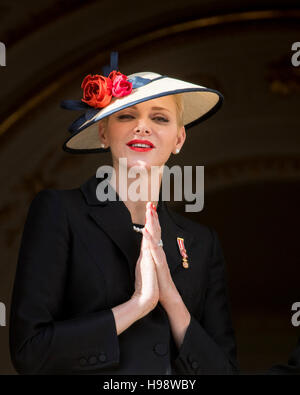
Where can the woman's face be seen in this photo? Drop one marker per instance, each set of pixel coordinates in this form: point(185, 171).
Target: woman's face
point(154, 123)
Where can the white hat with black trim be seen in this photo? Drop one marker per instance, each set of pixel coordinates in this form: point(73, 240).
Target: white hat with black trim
point(104, 96)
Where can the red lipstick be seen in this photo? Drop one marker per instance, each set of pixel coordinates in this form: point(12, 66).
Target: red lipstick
point(140, 145)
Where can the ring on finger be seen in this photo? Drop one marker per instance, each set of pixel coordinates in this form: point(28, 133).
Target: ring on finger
point(160, 243)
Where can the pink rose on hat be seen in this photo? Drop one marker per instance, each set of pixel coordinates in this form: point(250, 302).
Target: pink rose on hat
point(120, 84)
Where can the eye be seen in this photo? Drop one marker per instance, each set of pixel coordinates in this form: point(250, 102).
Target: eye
point(125, 116)
point(161, 119)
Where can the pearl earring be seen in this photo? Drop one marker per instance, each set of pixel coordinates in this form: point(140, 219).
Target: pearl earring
point(102, 145)
point(177, 150)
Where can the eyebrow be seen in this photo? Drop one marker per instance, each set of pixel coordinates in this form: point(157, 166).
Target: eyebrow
point(153, 108)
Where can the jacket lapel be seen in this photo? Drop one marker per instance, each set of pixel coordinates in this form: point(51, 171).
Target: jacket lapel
point(114, 219)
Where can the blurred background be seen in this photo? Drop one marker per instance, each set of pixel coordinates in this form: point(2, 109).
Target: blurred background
point(250, 148)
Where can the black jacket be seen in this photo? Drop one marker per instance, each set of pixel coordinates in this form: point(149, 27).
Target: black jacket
point(77, 260)
point(292, 367)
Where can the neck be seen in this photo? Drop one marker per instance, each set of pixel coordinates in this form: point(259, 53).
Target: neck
point(136, 192)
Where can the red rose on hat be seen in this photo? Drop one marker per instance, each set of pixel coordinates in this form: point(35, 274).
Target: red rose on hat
point(97, 90)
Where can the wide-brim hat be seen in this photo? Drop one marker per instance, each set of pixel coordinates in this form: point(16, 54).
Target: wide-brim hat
point(199, 103)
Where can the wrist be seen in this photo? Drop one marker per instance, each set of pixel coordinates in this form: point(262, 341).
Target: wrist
point(171, 297)
point(141, 304)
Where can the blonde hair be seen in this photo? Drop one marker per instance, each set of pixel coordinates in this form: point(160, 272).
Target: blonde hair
point(178, 98)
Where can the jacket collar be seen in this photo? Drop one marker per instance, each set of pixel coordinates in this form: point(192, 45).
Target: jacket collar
point(114, 218)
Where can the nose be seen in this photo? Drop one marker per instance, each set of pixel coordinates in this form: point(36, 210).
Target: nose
point(142, 129)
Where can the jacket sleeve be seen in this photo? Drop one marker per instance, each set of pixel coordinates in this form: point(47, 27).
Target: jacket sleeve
point(41, 341)
point(209, 345)
point(291, 368)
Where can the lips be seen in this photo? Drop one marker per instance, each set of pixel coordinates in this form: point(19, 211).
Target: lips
point(140, 145)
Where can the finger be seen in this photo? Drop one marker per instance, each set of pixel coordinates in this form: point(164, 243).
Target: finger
point(157, 251)
point(148, 213)
point(155, 218)
point(153, 225)
point(150, 226)
point(146, 237)
point(149, 217)
point(145, 243)
point(150, 237)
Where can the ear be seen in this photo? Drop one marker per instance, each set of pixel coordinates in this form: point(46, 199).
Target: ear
point(102, 133)
point(181, 136)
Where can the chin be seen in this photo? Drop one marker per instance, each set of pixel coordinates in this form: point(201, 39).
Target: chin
point(139, 163)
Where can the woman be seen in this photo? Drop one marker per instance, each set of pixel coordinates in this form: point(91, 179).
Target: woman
point(119, 286)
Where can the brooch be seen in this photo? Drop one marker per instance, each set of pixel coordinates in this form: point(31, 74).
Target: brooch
point(180, 242)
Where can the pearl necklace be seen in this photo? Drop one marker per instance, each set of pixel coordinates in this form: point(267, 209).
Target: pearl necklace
point(137, 229)
point(140, 230)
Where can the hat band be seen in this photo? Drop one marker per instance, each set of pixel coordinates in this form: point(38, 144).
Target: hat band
point(138, 81)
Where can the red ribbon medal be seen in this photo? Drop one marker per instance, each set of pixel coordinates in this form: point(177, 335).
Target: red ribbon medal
point(180, 242)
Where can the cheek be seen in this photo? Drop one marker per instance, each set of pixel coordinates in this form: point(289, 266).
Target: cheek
point(115, 134)
point(168, 142)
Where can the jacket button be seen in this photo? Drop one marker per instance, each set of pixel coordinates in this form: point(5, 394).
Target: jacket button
point(160, 349)
point(102, 357)
point(195, 365)
point(82, 362)
point(92, 360)
point(190, 358)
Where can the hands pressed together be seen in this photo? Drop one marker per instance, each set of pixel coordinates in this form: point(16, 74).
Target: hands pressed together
point(153, 281)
